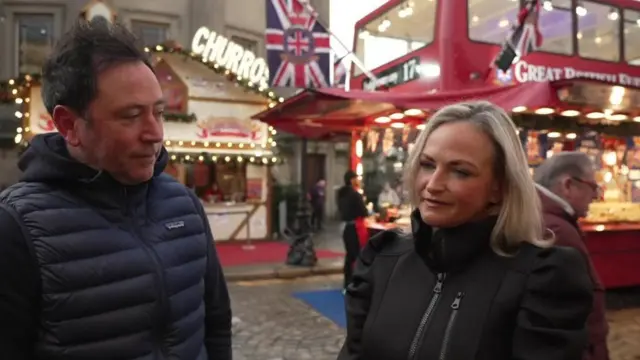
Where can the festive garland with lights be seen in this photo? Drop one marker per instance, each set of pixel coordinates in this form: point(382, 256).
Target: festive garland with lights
point(17, 91)
point(261, 89)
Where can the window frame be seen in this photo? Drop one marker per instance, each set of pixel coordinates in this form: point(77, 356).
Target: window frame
point(258, 38)
point(173, 21)
point(166, 26)
point(466, 9)
point(623, 38)
point(10, 65)
point(357, 71)
point(621, 44)
point(520, 5)
point(17, 34)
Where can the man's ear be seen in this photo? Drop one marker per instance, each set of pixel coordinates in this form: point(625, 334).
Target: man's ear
point(66, 122)
point(564, 184)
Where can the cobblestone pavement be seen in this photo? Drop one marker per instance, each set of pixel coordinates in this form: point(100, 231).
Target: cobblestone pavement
point(269, 324)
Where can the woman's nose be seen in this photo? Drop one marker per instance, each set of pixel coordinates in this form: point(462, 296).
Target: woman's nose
point(437, 182)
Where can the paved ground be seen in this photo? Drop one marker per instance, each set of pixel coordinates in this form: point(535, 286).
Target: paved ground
point(270, 324)
point(329, 239)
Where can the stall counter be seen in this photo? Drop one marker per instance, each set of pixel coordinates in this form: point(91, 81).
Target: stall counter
point(615, 252)
point(238, 221)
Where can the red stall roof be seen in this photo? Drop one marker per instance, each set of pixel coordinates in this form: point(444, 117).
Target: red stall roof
point(317, 113)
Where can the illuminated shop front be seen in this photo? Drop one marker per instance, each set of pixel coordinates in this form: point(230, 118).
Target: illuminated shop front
point(214, 146)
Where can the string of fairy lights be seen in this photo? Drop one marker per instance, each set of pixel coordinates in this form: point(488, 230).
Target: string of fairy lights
point(18, 91)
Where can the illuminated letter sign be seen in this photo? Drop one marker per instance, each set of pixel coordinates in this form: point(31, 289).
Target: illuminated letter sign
point(242, 62)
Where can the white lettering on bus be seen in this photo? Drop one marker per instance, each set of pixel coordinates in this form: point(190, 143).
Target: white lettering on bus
point(524, 72)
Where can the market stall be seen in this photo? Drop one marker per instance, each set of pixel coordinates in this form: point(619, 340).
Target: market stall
point(559, 102)
point(214, 146)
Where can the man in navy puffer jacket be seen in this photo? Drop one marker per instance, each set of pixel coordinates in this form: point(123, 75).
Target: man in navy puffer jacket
point(102, 256)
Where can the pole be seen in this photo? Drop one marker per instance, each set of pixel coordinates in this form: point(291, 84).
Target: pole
point(308, 8)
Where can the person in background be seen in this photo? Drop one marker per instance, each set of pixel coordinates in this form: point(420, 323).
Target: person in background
point(102, 254)
point(566, 185)
point(317, 198)
point(213, 194)
point(352, 212)
point(388, 196)
point(475, 278)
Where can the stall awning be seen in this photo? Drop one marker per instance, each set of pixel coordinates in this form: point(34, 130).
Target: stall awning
point(315, 113)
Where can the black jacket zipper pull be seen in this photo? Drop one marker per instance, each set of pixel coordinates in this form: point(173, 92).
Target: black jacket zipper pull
point(426, 316)
point(456, 303)
point(438, 288)
point(455, 306)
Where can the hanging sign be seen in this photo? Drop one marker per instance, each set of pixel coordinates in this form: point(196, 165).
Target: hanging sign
point(242, 62)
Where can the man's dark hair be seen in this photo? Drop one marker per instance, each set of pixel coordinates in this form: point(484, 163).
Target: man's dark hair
point(69, 76)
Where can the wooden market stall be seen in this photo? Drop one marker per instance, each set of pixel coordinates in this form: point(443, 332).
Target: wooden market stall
point(215, 148)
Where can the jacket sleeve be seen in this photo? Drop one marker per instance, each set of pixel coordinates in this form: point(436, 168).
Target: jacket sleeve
point(358, 297)
point(216, 301)
point(551, 322)
point(597, 323)
point(19, 291)
point(360, 205)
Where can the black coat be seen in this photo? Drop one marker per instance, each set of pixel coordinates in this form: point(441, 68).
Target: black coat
point(446, 295)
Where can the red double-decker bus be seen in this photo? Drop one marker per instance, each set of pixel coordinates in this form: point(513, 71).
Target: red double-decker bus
point(448, 45)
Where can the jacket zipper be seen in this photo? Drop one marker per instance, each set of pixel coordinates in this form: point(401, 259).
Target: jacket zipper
point(163, 303)
point(455, 306)
point(424, 321)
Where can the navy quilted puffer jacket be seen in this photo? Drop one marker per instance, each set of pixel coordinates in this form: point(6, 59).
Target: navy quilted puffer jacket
point(92, 269)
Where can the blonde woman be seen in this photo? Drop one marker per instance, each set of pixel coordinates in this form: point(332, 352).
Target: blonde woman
point(478, 278)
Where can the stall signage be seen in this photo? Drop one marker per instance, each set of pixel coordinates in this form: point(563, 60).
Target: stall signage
point(39, 120)
point(395, 75)
point(524, 72)
point(228, 127)
point(215, 47)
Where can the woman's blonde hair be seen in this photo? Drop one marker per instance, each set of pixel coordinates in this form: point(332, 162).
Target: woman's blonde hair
point(520, 215)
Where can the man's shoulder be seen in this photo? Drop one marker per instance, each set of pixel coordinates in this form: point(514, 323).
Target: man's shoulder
point(23, 189)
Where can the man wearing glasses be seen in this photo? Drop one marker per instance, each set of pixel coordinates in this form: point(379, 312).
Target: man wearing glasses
point(566, 184)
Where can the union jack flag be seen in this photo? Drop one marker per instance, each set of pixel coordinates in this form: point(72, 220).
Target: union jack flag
point(298, 47)
point(525, 38)
point(339, 72)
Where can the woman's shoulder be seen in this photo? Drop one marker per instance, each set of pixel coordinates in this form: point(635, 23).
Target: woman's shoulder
point(554, 268)
point(551, 257)
point(393, 242)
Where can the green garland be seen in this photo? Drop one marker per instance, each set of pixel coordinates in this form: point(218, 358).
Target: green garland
point(221, 70)
point(179, 117)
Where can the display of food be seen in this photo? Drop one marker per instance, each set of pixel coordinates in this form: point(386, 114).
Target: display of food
point(605, 212)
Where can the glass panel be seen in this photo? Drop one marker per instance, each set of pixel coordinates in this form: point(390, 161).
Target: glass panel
point(556, 26)
point(150, 34)
point(491, 21)
point(598, 35)
point(408, 26)
point(34, 40)
point(632, 36)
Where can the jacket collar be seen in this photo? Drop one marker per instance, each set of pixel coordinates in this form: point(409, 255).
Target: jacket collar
point(560, 202)
point(451, 249)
